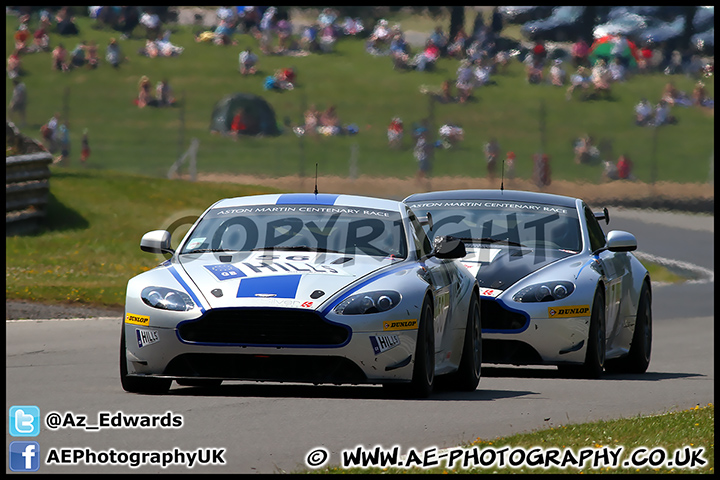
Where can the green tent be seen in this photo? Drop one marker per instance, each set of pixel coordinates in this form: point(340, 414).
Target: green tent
point(258, 116)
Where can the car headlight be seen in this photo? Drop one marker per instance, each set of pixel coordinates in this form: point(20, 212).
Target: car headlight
point(372, 302)
point(167, 299)
point(544, 292)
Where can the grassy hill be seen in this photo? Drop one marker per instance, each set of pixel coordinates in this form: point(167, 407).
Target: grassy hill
point(367, 92)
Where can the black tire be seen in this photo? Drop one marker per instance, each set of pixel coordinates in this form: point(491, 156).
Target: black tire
point(595, 352)
point(150, 386)
point(467, 377)
point(638, 359)
point(424, 367)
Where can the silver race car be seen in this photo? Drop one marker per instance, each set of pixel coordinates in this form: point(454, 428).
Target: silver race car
point(315, 288)
point(554, 288)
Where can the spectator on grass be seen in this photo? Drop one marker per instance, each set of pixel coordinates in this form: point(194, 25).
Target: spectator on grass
point(662, 115)
point(581, 80)
point(426, 59)
point(144, 97)
point(617, 70)
point(585, 150)
point(395, 132)
point(65, 23)
point(643, 113)
point(283, 27)
point(329, 123)
point(533, 69)
point(400, 52)
point(672, 96)
point(14, 65)
point(440, 40)
point(509, 166)
point(47, 130)
point(163, 94)
point(624, 168)
point(92, 55)
point(21, 37)
point(84, 147)
point(379, 38)
point(266, 27)
point(151, 21)
point(456, 49)
point(327, 39)
point(312, 119)
point(18, 101)
point(41, 39)
point(492, 153)
point(557, 73)
point(60, 58)
point(113, 54)
point(481, 72)
point(579, 52)
point(62, 138)
point(77, 56)
point(541, 170)
point(600, 76)
point(423, 155)
point(699, 96)
point(309, 38)
point(248, 60)
point(465, 81)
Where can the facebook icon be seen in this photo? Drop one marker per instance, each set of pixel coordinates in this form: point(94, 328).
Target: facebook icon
point(24, 456)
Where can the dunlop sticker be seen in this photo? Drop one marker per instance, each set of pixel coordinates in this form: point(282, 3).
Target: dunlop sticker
point(400, 325)
point(572, 311)
point(137, 319)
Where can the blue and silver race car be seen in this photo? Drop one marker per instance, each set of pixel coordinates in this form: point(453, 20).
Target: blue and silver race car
point(315, 288)
point(554, 288)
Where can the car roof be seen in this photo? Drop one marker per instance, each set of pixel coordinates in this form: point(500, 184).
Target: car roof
point(495, 195)
point(324, 199)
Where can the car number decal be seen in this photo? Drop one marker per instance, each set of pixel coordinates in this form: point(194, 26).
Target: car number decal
point(225, 271)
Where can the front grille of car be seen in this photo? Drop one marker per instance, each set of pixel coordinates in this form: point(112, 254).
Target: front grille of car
point(495, 317)
point(271, 327)
point(513, 352)
point(279, 368)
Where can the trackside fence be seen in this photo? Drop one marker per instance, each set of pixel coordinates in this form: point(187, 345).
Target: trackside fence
point(27, 188)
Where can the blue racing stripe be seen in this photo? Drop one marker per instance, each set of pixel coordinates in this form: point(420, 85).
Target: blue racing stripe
point(307, 199)
point(189, 291)
point(281, 286)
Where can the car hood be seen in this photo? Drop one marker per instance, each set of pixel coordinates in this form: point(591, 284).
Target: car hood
point(499, 267)
point(281, 279)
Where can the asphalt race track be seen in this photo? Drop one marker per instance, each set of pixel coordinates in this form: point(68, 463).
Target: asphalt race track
point(71, 367)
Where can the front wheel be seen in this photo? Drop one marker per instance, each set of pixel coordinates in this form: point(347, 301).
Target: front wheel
point(595, 352)
point(424, 367)
point(467, 377)
point(638, 359)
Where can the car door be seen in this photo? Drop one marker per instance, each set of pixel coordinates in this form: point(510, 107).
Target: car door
point(439, 276)
point(615, 275)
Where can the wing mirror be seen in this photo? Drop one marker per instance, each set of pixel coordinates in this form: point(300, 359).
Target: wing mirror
point(619, 241)
point(157, 241)
point(449, 247)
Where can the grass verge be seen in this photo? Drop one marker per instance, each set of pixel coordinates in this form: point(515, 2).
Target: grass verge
point(662, 443)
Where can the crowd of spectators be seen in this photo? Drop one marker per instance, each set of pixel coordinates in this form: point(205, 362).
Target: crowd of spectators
point(480, 53)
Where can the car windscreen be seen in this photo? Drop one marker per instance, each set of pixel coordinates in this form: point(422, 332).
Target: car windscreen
point(346, 230)
point(504, 223)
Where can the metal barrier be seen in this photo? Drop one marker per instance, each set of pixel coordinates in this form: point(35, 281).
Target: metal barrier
point(27, 188)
